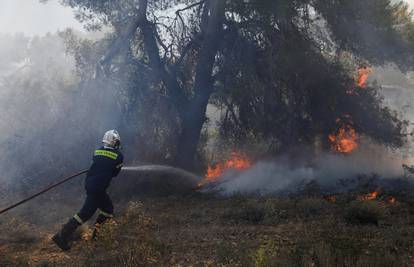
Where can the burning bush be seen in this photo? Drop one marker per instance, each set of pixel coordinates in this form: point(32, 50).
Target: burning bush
point(345, 140)
point(236, 162)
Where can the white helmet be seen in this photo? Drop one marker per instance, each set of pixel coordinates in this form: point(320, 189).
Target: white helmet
point(111, 139)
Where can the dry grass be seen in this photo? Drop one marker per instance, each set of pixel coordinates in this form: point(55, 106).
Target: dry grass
point(244, 231)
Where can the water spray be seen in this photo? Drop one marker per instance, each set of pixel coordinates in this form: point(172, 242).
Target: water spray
point(162, 169)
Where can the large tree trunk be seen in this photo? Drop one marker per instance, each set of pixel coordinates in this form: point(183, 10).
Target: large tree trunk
point(192, 112)
point(193, 120)
point(159, 70)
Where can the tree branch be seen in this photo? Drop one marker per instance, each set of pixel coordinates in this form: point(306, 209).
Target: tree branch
point(189, 7)
point(105, 62)
point(158, 67)
point(184, 52)
point(160, 42)
point(177, 12)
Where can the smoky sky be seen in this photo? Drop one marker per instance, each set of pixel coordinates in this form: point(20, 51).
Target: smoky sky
point(34, 18)
point(411, 2)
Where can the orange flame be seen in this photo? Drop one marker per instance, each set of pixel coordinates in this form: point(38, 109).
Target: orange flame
point(363, 75)
point(369, 196)
point(345, 140)
point(360, 80)
point(330, 198)
point(392, 200)
point(237, 161)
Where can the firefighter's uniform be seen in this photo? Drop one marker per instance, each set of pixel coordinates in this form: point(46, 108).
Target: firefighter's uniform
point(107, 163)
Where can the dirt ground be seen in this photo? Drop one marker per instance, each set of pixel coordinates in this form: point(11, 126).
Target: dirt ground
point(205, 230)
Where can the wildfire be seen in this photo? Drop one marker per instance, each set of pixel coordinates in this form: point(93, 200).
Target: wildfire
point(330, 198)
point(360, 80)
point(374, 195)
point(363, 75)
point(345, 140)
point(237, 161)
point(365, 197)
point(392, 200)
point(369, 196)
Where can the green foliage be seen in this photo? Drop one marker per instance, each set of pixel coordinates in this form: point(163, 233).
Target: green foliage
point(265, 256)
point(86, 53)
point(277, 76)
point(283, 87)
point(379, 31)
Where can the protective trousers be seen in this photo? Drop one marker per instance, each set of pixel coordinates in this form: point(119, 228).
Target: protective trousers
point(94, 201)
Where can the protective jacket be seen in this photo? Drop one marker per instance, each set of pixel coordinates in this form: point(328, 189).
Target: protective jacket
point(107, 163)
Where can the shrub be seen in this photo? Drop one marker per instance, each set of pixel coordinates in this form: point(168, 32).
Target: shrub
point(365, 212)
point(251, 211)
point(227, 256)
point(15, 231)
point(127, 243)
point(265, 255)
point(311, 207)
point(7, 260)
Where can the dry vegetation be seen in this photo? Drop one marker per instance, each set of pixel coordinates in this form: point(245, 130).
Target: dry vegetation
point(238, 231)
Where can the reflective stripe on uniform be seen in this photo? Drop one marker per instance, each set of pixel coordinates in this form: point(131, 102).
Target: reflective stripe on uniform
point(106, 153)
point(119, 166)
point(106, 214)
point(78, 219)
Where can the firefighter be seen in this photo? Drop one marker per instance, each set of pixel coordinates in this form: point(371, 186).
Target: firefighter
point(107, 163)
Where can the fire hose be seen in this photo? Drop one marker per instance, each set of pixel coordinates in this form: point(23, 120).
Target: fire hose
point(64, 180)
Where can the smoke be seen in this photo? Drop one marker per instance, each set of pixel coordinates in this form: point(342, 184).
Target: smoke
point(35, 17)
point(50, 121)
point(285, 175)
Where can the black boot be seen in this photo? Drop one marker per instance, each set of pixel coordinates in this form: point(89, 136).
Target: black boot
point(63, 237)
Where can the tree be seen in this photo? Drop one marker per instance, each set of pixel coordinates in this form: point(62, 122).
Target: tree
point(273, 65)
point(291, 85)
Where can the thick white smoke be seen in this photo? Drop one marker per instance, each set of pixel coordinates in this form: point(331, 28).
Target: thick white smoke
point(284, 175)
